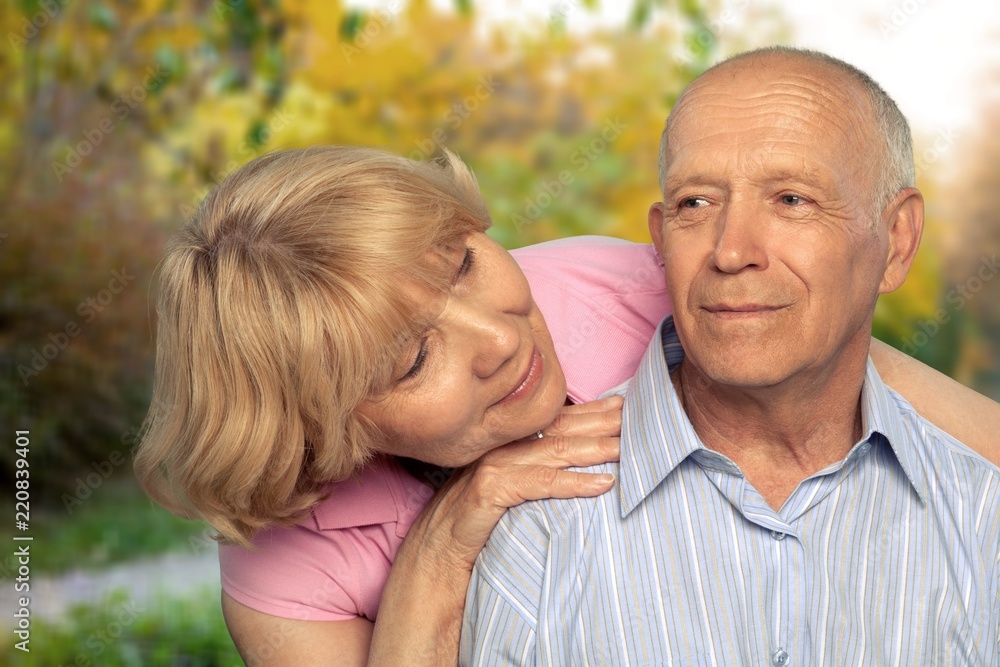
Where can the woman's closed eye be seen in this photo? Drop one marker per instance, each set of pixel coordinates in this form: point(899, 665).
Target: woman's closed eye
point(468, 261)
point(464, 268)
point(418, 362)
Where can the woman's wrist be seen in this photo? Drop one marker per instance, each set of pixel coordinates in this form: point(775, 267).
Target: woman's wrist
point(420, 616)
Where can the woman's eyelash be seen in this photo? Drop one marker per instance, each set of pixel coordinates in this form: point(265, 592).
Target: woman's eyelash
point(467, 262)
point(418, 363)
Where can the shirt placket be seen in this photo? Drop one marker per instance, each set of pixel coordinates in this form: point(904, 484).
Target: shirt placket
point(786, 563)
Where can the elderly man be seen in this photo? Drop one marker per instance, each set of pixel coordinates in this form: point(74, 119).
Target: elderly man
point(777, 503)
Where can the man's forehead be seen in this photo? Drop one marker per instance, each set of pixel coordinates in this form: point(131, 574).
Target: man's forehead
point(727, 110)
point(792, 83)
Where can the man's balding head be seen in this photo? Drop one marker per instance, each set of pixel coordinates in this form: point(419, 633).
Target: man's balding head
point(780, 223)
point(889, 159)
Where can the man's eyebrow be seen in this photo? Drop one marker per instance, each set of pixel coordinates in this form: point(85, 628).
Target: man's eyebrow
point(677, 181)
point(806, 176)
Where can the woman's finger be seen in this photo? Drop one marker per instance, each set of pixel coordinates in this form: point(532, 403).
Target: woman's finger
point(557, 452)
point(598, 405)
point(504, 491)
point(591, 423)
point(541, 482)
point(494, 489)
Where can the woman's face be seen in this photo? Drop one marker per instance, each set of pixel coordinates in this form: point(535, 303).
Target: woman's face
point(484, 372)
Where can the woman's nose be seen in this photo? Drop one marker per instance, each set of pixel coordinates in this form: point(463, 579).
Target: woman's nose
point(493, 337)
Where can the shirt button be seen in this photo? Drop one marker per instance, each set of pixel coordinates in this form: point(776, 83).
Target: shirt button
point(779, 658)
point(864, 449)
point(778, 536)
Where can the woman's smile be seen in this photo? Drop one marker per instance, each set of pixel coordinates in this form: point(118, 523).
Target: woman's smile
point(529, 380)
point(484, 373)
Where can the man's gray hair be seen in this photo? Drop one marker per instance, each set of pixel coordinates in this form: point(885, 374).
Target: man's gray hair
point(893, 170)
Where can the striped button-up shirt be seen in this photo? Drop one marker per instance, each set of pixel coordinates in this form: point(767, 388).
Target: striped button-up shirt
point(889, 557)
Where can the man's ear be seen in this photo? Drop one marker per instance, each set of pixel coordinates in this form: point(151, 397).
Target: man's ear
point(655, 220)
point(905, 224)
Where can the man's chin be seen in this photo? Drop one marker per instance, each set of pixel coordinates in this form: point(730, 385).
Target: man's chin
point(738, 372)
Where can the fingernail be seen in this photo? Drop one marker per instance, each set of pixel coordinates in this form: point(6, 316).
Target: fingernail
point(604, 478)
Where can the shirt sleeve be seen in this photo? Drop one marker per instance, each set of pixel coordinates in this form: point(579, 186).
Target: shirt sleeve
point(299, 574)
point(494, 633)
point(505, 594)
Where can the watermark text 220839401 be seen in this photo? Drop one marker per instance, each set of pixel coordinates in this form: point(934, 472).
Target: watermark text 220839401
point(22, 551)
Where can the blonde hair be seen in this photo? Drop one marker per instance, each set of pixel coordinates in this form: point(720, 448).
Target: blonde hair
point(280, 311)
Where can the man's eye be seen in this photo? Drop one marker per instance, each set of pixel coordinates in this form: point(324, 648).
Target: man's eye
point(693, 202)
point(418, 363)
point(792, 200)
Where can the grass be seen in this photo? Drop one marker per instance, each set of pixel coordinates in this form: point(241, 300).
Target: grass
point(177, 633)
point(116, 523)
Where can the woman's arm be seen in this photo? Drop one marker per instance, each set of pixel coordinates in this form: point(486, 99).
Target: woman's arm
point(967, 415)
point(269, 641)
point(421, 609)
point(420, 615)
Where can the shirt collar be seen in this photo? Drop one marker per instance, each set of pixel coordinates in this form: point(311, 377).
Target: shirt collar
point(657, 434)
point(881, 419)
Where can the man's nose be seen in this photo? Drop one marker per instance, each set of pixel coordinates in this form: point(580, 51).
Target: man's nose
point(741, 234)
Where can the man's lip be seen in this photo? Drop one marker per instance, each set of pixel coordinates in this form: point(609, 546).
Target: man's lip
point(527, 382)
point(741, 308)
point(740, 311)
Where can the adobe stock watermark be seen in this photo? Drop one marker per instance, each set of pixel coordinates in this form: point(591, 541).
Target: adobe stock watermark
point(287, 630)
point(101, 640)
point(563, 10)
point(943, 142)
point(276, 122)
point(701, 41)
point(88, 309)
point(457, 114)
point(100, 471)
point(366, 34)
point(87, 484)
point(583, 330)
point(30, 27)
point(957, 298)
point(223, 7)
point(121, 108)
point(582, 157)
point(899, 16)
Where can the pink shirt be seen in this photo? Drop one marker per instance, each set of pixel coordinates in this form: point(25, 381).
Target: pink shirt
point(602, 299)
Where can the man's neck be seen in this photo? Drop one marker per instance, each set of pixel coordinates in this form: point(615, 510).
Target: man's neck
point(778, 435)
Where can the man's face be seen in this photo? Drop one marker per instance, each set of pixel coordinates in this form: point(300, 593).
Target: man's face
point(771, 261)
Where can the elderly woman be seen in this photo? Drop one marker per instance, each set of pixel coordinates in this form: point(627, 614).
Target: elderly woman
point(333, 316)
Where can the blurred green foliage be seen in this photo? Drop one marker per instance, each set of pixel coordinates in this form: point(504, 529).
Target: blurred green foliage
point(117, 117)
point(121, 633)
point(117, 523)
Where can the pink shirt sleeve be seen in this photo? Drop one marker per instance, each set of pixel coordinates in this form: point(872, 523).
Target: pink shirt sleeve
point(334, 564)
point(602, 300)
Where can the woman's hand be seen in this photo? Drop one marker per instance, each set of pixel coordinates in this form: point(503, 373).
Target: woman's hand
point(459, 519)
point(420, 615)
